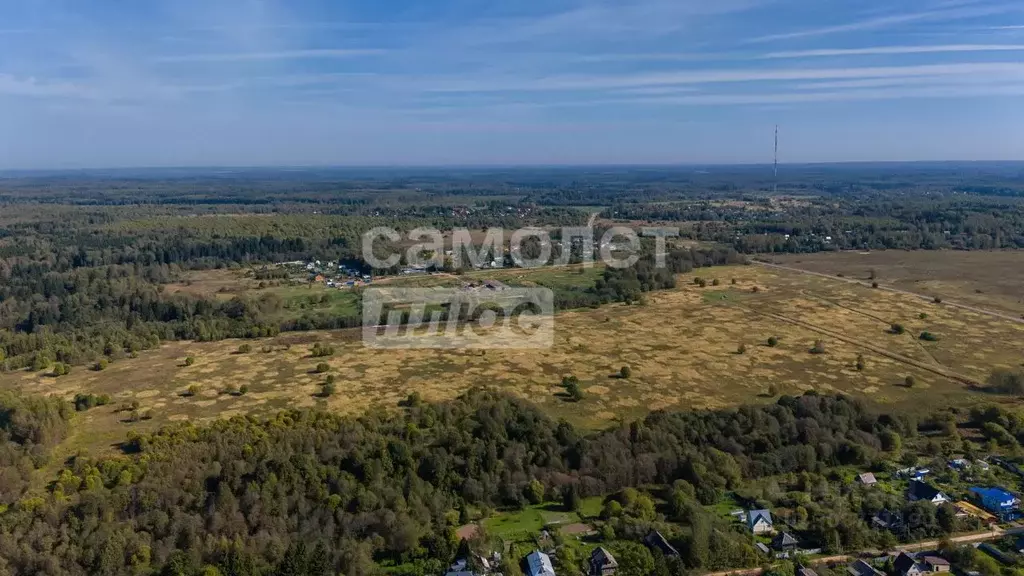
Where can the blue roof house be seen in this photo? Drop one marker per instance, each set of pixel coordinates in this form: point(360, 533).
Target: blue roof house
point(760, 521)
point(997, 501)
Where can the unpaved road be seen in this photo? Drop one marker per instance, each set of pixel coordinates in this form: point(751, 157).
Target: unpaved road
point(925, 545)
point(896, 290)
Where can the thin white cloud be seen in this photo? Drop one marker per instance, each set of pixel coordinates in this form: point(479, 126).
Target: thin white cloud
point(658, 90)
point(893, 50)
point(835, 96)
point(556, 83)
point(888, 21)
point(278, 55)
point(879, 83)
point(14, 86)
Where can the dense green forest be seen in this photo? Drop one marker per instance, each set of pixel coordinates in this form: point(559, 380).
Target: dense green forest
point(310, 492)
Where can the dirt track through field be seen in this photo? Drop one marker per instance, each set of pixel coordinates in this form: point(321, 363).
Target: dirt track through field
point(938, 370)
point(837, 304)
point(992, 313)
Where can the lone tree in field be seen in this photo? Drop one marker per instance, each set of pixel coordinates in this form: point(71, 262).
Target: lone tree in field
point(773, 390)
point(741, 349)
point(874, 284)
point(243, 389)
point(193, 390)
point(929, 337)
point(819, 347)
point(328, 390)
point(323, 367)
point(909, 381)
point(716, 282)
point(937, 300)
point(572, 388)
point(860, 362)
point(320, 350)
point(245, 348)
point(625, 372)
point(189, 360)
point(773, 341)
point(897, 329)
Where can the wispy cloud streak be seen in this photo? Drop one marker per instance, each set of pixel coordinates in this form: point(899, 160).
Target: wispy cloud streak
point(279, 55)
point(893, 50)
point(892, 20)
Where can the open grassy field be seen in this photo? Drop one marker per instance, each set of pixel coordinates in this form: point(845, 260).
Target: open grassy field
point(681, 346)
point(986, 279)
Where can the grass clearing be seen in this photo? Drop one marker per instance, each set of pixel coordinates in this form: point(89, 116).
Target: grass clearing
point(681, 348)
point(524, 525)
point(986, 279)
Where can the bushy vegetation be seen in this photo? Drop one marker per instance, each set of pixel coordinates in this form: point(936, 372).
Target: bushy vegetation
point(1007, 381)
point(348, 494)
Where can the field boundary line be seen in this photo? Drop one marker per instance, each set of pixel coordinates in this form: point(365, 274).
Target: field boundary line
point(893, 290)
point(924, 350)
point(944, 372)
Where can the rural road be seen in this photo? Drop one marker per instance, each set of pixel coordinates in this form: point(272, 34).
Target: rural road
point(925, 545)
point(896, 290)
point(593, 218)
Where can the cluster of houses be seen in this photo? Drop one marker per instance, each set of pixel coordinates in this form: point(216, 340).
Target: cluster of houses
point(991, 504)
point(905, 564)
point(783, 544)
point(332, 275)
point(537, 563)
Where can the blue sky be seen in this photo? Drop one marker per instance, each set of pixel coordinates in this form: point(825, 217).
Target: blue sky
point(107, 83)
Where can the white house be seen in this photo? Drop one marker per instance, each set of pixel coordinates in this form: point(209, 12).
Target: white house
point(760, 521)
point(539, 564)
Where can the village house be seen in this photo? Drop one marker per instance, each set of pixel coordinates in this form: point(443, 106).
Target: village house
point(656, 540)
point(785, 542)
point(862, 568)
point(907, 564)
point(760, 521)
point(919, 490)
point(602, 563)
point(999, 502)
point(867, 479)
point(539, 564)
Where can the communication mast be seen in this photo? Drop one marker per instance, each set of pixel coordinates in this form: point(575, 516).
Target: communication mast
point(775, 184)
